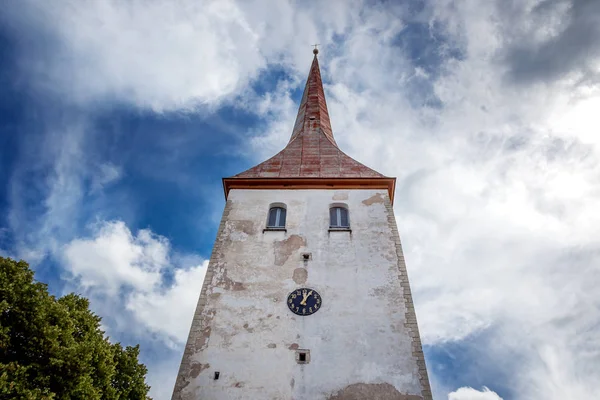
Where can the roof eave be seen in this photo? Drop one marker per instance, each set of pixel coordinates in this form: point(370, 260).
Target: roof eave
point(300, 183)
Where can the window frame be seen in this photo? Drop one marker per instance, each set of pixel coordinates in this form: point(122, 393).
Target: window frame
point(339, 217)
point(281, 209)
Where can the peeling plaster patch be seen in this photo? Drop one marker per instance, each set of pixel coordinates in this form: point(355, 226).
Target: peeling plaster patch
point(214, 295)
point(376, 198)
point(300, 275)
point(196, 369)
point(246, 327)
point(240, 230)
point(246, 227)
point(238, 236)
point(184, 384)
point(294, 346)
point(340, 196)
point(272, 345)
point(285, 248)
point(372, 391)
point(239, 384)
point(221, 280)
point(202, 339)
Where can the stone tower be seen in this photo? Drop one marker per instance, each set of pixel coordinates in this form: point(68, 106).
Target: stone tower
point(306, 294)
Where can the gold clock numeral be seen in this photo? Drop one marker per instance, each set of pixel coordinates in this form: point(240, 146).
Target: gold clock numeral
point(310, 309)
point(298, 293)
point(290, 300)
point(318, 301)
point(316, 306)
point(304, 311)
point(293, 296)
point(297, 309)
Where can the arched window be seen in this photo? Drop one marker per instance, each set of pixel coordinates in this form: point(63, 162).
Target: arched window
point(276, 217)
point(338, 217)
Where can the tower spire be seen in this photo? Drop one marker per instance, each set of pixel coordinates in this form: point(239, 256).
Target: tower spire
point(312, 113)
point(312, 156)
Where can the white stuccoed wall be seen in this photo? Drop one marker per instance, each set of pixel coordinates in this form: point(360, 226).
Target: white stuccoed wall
point(362, 342)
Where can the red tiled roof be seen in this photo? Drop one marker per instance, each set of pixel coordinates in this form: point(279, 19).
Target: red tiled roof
point(312, 151)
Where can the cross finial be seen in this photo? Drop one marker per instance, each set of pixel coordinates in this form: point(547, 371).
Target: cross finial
point(316, 51)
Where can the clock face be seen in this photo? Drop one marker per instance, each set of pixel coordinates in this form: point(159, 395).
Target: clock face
point(304, 301)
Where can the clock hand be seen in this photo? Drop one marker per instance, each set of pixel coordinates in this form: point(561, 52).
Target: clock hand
point(304, 298)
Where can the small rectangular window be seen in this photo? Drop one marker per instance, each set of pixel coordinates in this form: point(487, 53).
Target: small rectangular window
point(276, 217)
point(338, 217)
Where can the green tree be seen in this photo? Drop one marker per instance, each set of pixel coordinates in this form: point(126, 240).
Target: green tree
point(54, 349)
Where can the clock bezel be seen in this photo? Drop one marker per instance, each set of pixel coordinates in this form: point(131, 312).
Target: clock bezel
point(316, 297)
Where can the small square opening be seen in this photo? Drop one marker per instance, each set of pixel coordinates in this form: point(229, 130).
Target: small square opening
point(306, 256)
point(303, 356)
point(217, 373)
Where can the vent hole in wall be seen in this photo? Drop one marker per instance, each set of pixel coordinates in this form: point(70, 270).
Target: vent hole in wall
point(303, 356)
point(217, 373)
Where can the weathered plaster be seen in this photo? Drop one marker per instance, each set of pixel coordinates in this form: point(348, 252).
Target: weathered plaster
point(363, 341)
point(372, 391)
point(284, 248)
point(340, 196)
point(197, 368)
point(376, 198)
point(300, 275)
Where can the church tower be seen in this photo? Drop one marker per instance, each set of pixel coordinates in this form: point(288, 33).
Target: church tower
point(306, 296)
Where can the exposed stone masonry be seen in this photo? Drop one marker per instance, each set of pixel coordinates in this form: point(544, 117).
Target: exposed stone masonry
point(200, 329)
point(411, 316)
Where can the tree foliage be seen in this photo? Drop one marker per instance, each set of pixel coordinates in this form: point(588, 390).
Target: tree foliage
point(54, 349)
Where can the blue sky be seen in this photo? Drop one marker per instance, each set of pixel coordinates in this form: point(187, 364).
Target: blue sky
point(118, 120)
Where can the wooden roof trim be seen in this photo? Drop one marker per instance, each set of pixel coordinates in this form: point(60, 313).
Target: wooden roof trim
point(310, 183)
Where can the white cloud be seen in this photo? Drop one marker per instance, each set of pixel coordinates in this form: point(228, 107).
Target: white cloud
point(107, 173)
point(467, 393)
point(115, 258)
point(159, 54)
point(54, 166)
point(169, 311)
point(164, 55)
point(120, 268)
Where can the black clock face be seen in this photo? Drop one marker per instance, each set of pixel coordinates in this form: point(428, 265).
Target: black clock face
point(304, 301)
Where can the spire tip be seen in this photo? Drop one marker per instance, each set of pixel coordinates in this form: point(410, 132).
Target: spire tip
point(315, 50)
